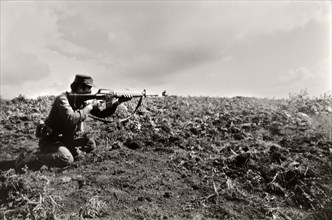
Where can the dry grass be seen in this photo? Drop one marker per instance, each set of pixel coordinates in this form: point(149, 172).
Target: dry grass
point(27, 196)
point(94, 208)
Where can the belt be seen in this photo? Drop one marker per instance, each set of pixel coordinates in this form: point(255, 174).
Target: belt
point(44, 130)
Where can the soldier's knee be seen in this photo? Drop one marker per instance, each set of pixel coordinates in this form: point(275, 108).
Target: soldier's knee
point(65, 157)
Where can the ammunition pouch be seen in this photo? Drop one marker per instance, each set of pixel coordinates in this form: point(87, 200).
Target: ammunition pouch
point(44, 131)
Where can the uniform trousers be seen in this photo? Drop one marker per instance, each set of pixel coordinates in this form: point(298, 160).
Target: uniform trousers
point(60, 152)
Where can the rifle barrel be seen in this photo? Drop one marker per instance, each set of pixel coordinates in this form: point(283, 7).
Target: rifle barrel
point(134, 95)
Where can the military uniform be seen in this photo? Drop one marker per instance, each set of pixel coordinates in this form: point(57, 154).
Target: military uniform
point(59, 147)
point(58, 140)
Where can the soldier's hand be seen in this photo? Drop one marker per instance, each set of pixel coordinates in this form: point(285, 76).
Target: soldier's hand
point(125, 98)
point(94, 103)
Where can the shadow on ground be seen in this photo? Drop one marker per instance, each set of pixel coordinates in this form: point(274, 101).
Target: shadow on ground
point(7, 164)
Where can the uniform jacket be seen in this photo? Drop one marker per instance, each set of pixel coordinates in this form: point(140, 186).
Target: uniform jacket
point(63, 119)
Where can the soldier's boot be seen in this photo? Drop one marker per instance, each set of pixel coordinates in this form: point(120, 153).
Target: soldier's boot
point(28, 159)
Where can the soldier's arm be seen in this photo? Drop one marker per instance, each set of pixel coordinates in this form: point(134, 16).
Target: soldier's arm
point(67, 113)
point(108, 110)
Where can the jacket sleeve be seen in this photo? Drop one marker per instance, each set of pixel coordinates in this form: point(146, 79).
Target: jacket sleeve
point(67, 113)
point(108, 110)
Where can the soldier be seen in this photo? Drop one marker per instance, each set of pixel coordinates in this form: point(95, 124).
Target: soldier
point(59, 142)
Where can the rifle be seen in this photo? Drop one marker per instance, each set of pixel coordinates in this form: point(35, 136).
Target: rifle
point(77, 100)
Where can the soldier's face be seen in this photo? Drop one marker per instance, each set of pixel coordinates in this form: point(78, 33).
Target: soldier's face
point(84, 89)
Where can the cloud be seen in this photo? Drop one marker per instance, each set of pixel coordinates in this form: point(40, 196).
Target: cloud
point(27, 26)
point(297, 75)
point(26, 67)
point(316, 80)
point(110, 31)
point(24, 34)
point(323, 80)
point(154, 43)
point(75, 30)
point(271, 17)
point(164, 66)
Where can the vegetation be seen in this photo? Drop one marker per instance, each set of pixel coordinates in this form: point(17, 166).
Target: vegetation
point(179, 158)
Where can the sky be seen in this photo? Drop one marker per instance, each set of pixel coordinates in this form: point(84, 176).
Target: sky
point(189, 48)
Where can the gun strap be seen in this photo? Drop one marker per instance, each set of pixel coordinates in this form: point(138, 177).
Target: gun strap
point(121, 120)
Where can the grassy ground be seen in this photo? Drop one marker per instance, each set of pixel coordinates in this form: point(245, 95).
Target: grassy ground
point(179, 158)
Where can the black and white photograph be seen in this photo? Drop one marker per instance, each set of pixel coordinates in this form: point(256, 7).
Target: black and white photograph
point(162, 109)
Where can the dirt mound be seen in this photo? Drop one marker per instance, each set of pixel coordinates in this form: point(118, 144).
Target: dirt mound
point(179, 158)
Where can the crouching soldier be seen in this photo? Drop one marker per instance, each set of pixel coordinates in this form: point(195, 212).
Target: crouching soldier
point(59, 142)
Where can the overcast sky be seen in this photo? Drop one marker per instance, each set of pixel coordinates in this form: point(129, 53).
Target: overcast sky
point(199, 48)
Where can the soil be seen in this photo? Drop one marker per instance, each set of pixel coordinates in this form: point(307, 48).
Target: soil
point(178, 158)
